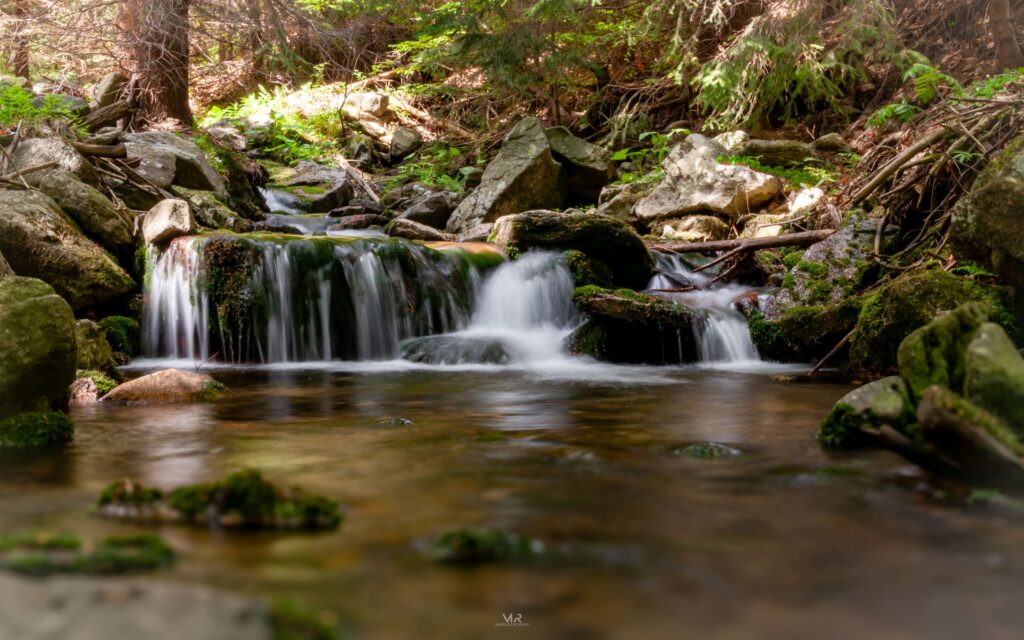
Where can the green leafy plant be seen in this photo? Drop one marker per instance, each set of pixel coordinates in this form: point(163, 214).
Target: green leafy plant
point(647, 159)
point(798, 177)
point(431, 166)
point(16, 107)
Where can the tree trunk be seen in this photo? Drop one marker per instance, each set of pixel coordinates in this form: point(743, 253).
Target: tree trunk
point(19, 59)
point(1000, 18)
point(158, 47)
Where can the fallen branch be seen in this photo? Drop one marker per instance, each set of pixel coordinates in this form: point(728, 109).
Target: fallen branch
point(894, 165)
point(107, 115)
point(801, 239)
point(450, 127)
point(101, 150)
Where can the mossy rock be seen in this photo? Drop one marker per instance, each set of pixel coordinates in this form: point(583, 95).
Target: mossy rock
point(123, 334)
point(104, 383)
point(866, 409)
point(42, 554)
point(906, 303)
point(629, 327)
point(709, 451)
point(37, 429)
point(243, 500)
point(94, 352)
point(994, 375)
point(291, 619)
point(935, 354)
point(803, 334)
point(586, 271)
point(477, 545)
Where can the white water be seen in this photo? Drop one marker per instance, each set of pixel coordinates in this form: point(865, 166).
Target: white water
point(721, 332)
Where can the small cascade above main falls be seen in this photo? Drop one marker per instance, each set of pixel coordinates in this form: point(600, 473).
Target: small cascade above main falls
point(266, 298)
point(720, 330)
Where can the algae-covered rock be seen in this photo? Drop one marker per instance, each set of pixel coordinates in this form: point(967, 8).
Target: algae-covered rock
point(523, 176)
point(608, 240)
point(37, 346)
point(36, 429)
point(124, 335)
point(41, 554)
point(586, 271)
point(709, 451)
point(94, 351)
point(479, 545)
point(629, 327)
point(169, 386)
point(94, 212)
point(897, 308)
point(935, 354)
point(242, 500)
point(456, 349)
point(994, 375)
point(803, 334)
point(40, 241)
point(882, 402)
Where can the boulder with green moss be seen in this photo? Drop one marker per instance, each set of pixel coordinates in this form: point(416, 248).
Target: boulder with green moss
point(35, 429)
point(124, 335)
point(600, 237)
point(94, 351)
point(478, 545)
point(586, 271)
point(40, 241)
point(111, 227)
point(625, 326)
point(242, 500)
point(988, 223)
point(37, 346)
point(804, 333)
point(210, 212)
point(865, 410)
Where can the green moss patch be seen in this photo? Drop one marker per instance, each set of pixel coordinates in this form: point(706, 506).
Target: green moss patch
point(471, 545)
point(45, 554)
point(124, 335)
point(39, 429)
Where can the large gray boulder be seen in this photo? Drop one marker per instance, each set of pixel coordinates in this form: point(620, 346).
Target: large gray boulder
point(93, 211)
point(696, 182)
point(523, 176)
point(586, 168)
point(432, 210)
point(37, 346)
point(988, 223)
point(192, 169)
point(168, 220)
point(404, 142)
point(319, 188)
point(607, 240)
point(40, 241)
point(37, 151)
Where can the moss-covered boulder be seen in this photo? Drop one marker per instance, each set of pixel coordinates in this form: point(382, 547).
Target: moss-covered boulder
point(805, 333)
point(94, 351)
point(602, 238)
point(586, 271)
point(625, 326)
point(37, 346)
point(169, 386)
point(994, 375)
point(124, 335)
point(906, 303)
point(988, 223)
point(935, 354)
point(210, 212)
point(97, 216)
point(40, 241)
point(242, 500)
point(865, 410)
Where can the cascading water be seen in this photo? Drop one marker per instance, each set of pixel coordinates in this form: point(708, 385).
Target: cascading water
point(242, 299)
point(721, 331)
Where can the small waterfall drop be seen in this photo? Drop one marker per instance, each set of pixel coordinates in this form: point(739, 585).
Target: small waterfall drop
point(241, 299)
point(721, 331)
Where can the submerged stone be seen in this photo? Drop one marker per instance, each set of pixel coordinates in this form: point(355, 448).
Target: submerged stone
point(456, 349)
point(709, 451)
point(470, 546)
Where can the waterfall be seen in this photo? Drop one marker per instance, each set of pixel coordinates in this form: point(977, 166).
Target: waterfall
point(242, 299)
point(720, 330)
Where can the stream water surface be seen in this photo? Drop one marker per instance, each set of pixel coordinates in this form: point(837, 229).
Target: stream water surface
point(783, 540)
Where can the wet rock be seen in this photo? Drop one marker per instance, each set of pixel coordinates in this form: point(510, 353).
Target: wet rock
point(988, 223)
point(270, 226)
point(586, 168)
point(884, 402)
point(523, 176)
point(694, 229)
point(602, 238)
point(93, 350)
point(320, 188)
point(586, 271)
point(192, 170)
point(39, 241)
point(471, 546)
point(455, 349)
point(108, 90)
point(363, 221)
point(242, 500)
point(84, 391)
point(167, 387)
point(36, 151)
point(696, 182)
point(168, 220)
point(395, 422)
point(410, 230)
point(36, 429)
point(113, 229)
point(994, 375)
point(37, 343)
point(710, 451)
point(404, 142)
point(433, 210)
point(629, 327)
point(347, 211)
point(780, 153)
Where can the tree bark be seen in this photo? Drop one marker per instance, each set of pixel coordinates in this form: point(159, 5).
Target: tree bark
point(1000, 18)
point(20, 55)
point(158, 47)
